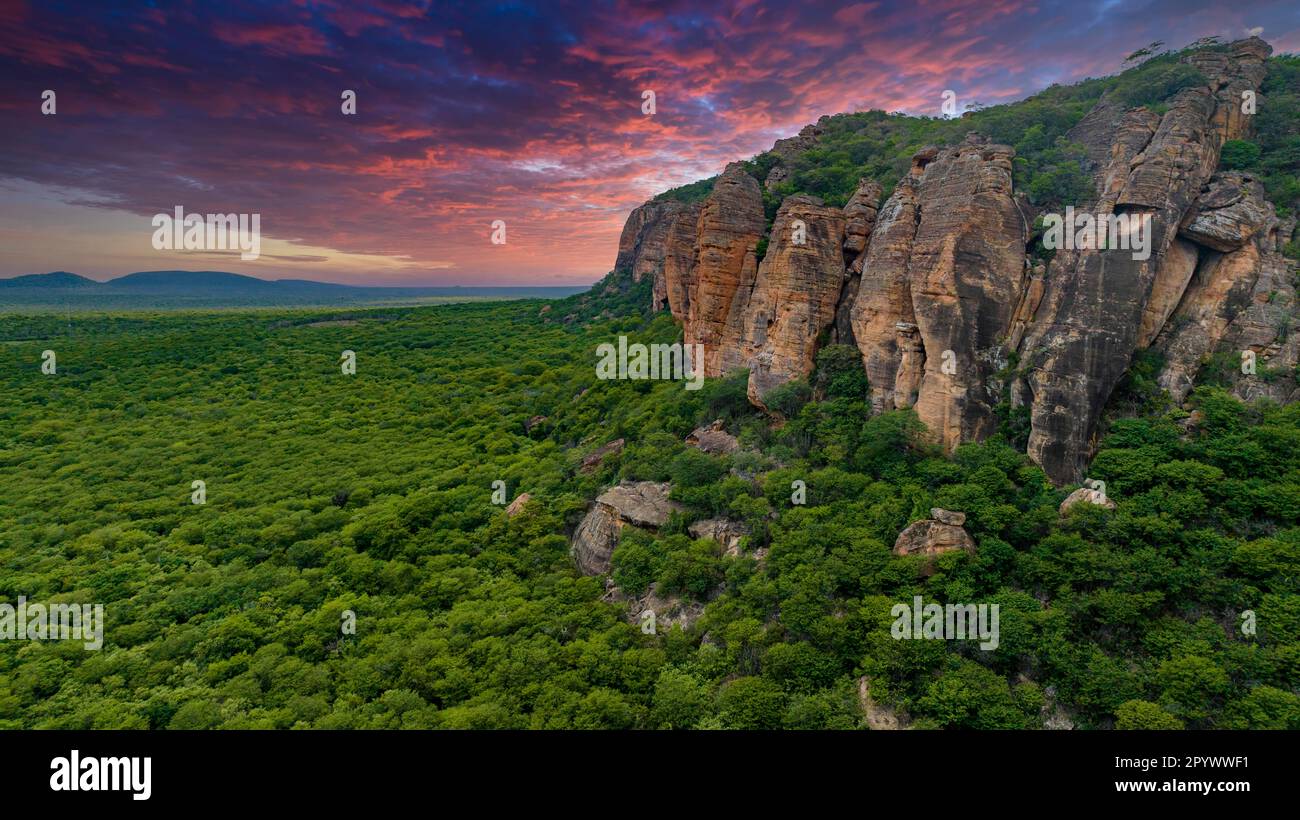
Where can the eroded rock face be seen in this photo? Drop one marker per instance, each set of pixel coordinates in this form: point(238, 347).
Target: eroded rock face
point(794, 295)
point(860, 214)
point(882, 319)
point(968, 271)
point(860, 218)
point(1241, 305)
point(730, 226)
point(725, 532)
point(643, 244)
point(679, 262)
point(638, 503)
point(936, 291)
point(1242, 293)
point(1231, 209)
point(1091, 318)
point(941, 282)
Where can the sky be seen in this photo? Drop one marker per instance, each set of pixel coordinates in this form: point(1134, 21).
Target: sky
point(469, 113)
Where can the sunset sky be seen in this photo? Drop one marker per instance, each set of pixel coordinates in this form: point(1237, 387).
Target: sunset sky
point(468, 113)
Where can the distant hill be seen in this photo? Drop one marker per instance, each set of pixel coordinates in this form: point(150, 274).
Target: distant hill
point(182, 288)
point(58, 279)
point(190, 281)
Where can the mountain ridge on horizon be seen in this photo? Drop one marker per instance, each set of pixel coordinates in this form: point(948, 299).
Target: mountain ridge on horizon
point(195, 281)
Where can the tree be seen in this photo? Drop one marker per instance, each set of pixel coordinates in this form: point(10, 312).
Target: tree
point(751, 703)
point(1142, 714)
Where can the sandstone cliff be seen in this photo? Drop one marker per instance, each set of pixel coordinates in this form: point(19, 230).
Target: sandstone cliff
point(937, 289)
point(794, 296)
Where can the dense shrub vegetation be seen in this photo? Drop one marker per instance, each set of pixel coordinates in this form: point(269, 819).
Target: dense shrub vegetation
point(373, 493)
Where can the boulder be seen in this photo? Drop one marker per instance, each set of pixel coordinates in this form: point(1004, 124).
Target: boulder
point(591, 462)
point(930, 537)
point(518, 504)
point(1083, 495)
point(943, 516)
point(1231, 209)
point(638, 503)
point(593, 543)
point(642, 503)
point(713, 439)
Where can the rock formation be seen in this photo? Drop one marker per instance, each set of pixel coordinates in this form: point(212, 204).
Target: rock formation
point(1084, 495)
point(641, 245)
point(952, 275)
point(1091, 314)
point(713, 439)
point(942, 532)
point(723, 531)
point(592, 461)
point(724, 265)
point(638, 503)
point(517, 506)
point(794, 295)
point(669, 609)
point(950, 313)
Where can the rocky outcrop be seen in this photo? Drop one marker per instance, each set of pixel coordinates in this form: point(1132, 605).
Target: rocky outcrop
point(638, 503)
point(1231, 209)
point(725, 264)
point(1238, 313)
point(787, 150)
point(879, 717)
point(794, 295)
point(967, 270)
point(935, 536)
point(592, 461)
point(517, 506)
point(593, 543)
point(670, 609)
point(723, 531)
point(713, 439)
point(1091, 319)
point(860, 214)
point(1084, 495)
point(951, 315)
point(941, 282)
point(882, 319)
point(642, 245)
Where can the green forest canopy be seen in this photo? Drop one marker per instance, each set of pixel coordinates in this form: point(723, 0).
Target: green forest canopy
point(372, 493)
